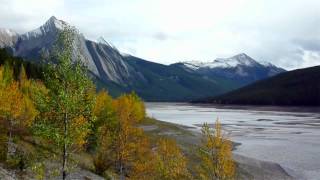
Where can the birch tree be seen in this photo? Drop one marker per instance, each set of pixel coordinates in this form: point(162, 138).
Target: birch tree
point(65, 116)
point(215, 153)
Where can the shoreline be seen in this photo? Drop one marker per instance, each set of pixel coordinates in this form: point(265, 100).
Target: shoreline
point(186, 136)
point(306, 109)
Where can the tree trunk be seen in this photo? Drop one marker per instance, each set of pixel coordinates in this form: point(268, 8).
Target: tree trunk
point(65, 153)
point(122, 176)
point(10, 146)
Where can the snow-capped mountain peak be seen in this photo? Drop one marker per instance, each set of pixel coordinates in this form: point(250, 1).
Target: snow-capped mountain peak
point(54, 22)
point(194, 65)
point(234, 61)
point(240, 67)
point(267, 64)
point(240, 59)
point(51, 25)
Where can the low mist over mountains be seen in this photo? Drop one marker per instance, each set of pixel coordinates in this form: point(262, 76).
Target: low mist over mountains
point(152, 81)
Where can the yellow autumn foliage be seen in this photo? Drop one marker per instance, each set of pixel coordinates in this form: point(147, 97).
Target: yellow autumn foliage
point(17, 110)
point(170, 161)
point(215, 154)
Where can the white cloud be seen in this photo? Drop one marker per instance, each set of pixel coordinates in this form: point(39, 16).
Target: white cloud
point(24, 15)
point(283, 32)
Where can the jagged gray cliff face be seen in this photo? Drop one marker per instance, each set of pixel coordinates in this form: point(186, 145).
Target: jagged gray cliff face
point(109, 62)
point(102, 59)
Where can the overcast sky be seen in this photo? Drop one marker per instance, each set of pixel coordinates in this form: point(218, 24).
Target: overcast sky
point(283, 32)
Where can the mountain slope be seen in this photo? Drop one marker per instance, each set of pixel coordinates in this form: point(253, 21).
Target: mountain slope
point(109, 63)
point(240, 68)
point(117, 73)
point(298, 87)
point(172, 83)
point(101, 59)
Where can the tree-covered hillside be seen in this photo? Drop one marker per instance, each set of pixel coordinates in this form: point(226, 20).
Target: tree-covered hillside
point(297, 88)
point(33, 70)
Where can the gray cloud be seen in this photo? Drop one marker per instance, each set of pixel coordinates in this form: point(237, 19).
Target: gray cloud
point(161, 36)
point(309, 44)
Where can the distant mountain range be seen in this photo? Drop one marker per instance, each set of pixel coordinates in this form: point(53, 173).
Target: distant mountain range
point(240, 68)
point(124, 73)
point(299, 88)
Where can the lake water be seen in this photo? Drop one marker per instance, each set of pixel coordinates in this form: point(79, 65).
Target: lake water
point(289, 136)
